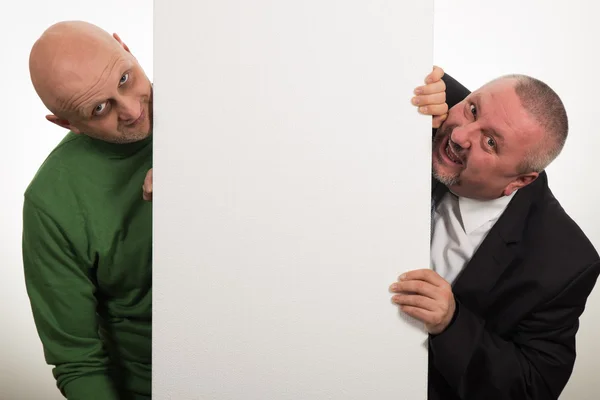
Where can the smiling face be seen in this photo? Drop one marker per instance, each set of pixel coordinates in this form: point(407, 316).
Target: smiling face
point(478, 150)
point(92, 83)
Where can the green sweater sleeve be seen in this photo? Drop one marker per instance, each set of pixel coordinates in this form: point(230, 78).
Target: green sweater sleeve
point(62, 296)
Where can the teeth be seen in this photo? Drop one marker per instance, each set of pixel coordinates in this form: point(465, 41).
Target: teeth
point(451, 156)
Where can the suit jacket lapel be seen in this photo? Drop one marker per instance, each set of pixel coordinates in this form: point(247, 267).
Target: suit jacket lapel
point(498, 249)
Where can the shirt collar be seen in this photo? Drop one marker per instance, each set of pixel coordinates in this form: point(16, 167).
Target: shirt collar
point(475, 213)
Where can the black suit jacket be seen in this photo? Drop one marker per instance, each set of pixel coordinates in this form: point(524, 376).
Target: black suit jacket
point(518, 302)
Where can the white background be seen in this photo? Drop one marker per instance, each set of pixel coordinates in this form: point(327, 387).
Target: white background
point(474, 41)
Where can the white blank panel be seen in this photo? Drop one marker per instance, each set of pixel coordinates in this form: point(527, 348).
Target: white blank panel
point(292, 187)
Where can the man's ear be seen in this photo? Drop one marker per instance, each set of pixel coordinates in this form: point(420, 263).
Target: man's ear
point(62, 123)
point(520, 182)
point(118, 39)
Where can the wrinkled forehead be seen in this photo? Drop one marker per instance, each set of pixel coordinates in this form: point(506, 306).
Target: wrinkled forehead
point(86, 79)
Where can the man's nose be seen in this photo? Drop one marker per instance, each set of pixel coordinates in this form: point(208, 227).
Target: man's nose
point(129, 110)
point(463, 136)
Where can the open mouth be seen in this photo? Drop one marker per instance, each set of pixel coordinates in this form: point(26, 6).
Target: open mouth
point(455, 158)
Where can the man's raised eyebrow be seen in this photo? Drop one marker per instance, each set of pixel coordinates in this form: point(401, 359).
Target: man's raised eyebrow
point(475, 98)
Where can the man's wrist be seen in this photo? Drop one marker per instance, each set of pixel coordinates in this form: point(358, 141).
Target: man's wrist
point(454, 316)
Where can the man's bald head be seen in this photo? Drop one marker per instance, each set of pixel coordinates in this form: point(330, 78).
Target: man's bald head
point(91, 83)
point(62, 54)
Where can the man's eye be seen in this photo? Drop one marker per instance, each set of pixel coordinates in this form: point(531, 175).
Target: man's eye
point(99, 108)
point(473, 110)
point(491, 142)
point(124, 79)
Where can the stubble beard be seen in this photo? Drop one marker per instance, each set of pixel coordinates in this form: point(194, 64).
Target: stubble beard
point(446, 178)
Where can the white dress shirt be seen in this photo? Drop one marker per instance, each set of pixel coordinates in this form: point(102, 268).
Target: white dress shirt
point(459, 226)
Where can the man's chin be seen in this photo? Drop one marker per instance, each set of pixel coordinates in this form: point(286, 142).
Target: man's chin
point(446, 179)
point(132, 138)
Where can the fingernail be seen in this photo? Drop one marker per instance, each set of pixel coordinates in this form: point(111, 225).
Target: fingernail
point(393, 287)
point(418, 90)
point(415, 101)
point(402, 277)
point(423, 109)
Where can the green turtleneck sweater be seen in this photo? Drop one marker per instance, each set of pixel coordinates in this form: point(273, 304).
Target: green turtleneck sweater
point(87, 254)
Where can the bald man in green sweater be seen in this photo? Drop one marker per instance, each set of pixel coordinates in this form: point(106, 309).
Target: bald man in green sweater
point(87, 229)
